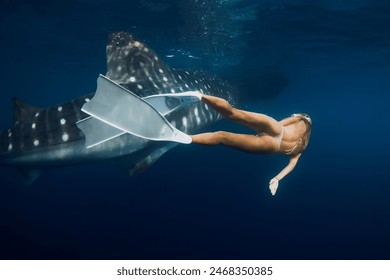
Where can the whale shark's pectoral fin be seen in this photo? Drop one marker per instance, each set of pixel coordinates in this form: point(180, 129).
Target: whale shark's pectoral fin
point(148, 161)
point(115, 110)
point(148, 158)
point(30, 175)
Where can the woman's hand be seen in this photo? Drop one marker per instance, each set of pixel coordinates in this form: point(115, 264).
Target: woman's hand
point(273, 185)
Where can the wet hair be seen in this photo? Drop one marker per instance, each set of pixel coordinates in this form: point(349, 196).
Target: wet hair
point(306, 137)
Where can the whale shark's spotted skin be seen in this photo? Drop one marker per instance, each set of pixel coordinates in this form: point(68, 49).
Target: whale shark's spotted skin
point(41, 138)
point(36, 128)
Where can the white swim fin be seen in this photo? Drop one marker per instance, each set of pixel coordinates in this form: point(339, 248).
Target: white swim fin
point(97, 132)
point(119, 108)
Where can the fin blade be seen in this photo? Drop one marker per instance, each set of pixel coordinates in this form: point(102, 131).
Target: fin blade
point(97, 132)
point(125, 111)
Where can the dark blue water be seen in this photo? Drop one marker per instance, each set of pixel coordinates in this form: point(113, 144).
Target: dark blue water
point(329, 59)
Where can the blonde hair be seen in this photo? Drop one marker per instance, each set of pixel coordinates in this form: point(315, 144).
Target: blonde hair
point(306, 136)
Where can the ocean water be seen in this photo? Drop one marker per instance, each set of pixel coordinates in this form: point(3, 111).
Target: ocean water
point(330, 59)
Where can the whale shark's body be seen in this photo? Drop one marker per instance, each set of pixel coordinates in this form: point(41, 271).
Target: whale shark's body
point(46, 138)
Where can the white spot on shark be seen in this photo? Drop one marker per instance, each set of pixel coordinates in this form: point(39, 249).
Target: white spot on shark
point(65, 137)
point(36, 114)
point(36, 142)
point(119, 68)
point(9, 134)
point(10, 147)
point(196, 112)
point(59, 108)
point(160, 70)
point(155, 58)
point(165, 79)
point(172, 90)
point(186, 86)
point(206, 106)
point(139, 86)
point(180, 77)
point(63, 121)
point(87, 99)
point(185, 122)
point(132, 79)
point(34, 125)
point(198, 120)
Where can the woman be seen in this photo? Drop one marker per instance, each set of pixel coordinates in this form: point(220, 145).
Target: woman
point(289, 136)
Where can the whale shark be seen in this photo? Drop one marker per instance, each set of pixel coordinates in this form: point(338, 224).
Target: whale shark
point(44, 138)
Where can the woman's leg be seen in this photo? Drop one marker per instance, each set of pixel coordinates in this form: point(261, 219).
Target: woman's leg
point(243, 142)
point(255, 121)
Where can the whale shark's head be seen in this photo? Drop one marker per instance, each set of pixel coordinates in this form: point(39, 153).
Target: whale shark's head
point(135, 66)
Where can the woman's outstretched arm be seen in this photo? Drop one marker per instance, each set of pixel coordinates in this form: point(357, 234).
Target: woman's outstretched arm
point(274, 183)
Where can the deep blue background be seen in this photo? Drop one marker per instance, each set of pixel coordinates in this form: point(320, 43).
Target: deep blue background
point(201, 202)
